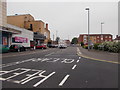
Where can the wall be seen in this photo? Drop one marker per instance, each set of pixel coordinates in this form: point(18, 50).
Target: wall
point(47, 34)
point(3, 17)
point(38, 26)
point(19, 20)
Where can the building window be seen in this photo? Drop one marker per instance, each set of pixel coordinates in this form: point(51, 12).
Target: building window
point(109, 36)
point(106, 36)
point(97, 36)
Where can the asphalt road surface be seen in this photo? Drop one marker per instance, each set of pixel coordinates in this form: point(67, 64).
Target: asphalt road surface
point(56, 68)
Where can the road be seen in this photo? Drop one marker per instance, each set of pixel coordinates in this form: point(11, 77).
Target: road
point(56, 68)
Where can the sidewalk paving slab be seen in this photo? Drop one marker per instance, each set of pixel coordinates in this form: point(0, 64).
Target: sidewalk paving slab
point(97, 54)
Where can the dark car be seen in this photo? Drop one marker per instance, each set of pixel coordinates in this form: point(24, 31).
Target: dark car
point(42, 46)
point(17, 48)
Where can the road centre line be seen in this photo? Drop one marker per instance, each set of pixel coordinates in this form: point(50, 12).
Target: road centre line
point(74, 66)
point(79, 57)
point(63, 81)
point(78, 61)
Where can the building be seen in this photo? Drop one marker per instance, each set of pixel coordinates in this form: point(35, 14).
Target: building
point(25, 37)
point(6, 30)
point(68, 42)
point(94, 38)
point(3, 18)
point(117, 39)
point(27, 21)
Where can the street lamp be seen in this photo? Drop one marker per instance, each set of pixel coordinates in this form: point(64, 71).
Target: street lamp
point(88, 28)
point(101, 31)
point(53, 38)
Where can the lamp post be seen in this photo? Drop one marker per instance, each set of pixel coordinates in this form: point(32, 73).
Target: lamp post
point(53, 38)
point(101, 31)
point(88, 28)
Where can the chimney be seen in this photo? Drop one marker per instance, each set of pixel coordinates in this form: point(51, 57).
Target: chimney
point(46, 26)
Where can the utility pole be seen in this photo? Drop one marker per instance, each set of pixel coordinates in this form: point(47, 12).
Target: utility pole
point(53, 38)
point(101, 32)
point(88, 28)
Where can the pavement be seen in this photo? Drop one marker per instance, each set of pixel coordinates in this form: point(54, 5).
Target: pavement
point(56, 68)
point(98, 55)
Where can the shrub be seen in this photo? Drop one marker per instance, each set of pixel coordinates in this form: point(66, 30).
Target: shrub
point(85, 46)
point(96, 46)
point(111, 46)
point(82, 44)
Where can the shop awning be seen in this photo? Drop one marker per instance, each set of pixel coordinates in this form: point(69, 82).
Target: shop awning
point(10, 28)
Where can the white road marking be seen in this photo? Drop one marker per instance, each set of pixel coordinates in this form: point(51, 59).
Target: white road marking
point(27, 79)
point(78, 61)
point(63, 81)
point(41, 81)
point(68, 61)
point(50, 54)
point(74, 66)
point(15, 63)
point(16, 74)
point(79, 57)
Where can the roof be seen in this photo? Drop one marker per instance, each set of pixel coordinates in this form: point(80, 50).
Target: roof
point(94, 34)
point(20, 15)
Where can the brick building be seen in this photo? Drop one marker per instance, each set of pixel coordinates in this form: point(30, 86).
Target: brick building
point(95, 38)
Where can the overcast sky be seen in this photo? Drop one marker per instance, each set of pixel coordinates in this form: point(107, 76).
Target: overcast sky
point(70, 18)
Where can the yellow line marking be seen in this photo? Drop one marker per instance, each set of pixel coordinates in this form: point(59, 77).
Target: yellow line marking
point(99, 59)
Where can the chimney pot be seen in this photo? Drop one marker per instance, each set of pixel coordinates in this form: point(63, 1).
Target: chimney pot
point(116, 36)
point(46, 26)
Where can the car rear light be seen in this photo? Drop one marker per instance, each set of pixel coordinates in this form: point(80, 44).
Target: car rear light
point(16, 47)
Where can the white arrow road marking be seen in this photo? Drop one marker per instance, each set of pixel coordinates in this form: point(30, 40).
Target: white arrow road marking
point(63, 81)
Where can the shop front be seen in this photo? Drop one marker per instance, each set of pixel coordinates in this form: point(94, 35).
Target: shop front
point(6, 35)
point(38, 38)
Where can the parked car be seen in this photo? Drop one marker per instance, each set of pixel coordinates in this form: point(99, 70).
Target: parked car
point(18, 48)
point(4, 49)
point(42, 46)
point(62, 46)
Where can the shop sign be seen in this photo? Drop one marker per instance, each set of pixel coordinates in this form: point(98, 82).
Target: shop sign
point(21, 39)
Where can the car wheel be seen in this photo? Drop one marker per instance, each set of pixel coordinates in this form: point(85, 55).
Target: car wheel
point(18, 50)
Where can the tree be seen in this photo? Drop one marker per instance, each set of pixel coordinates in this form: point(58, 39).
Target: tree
point(74, 40)
point(57, 39)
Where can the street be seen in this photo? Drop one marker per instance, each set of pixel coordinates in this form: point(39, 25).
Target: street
point(56, 68)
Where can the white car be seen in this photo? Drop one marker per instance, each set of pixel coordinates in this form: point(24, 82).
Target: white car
point(62, 46)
